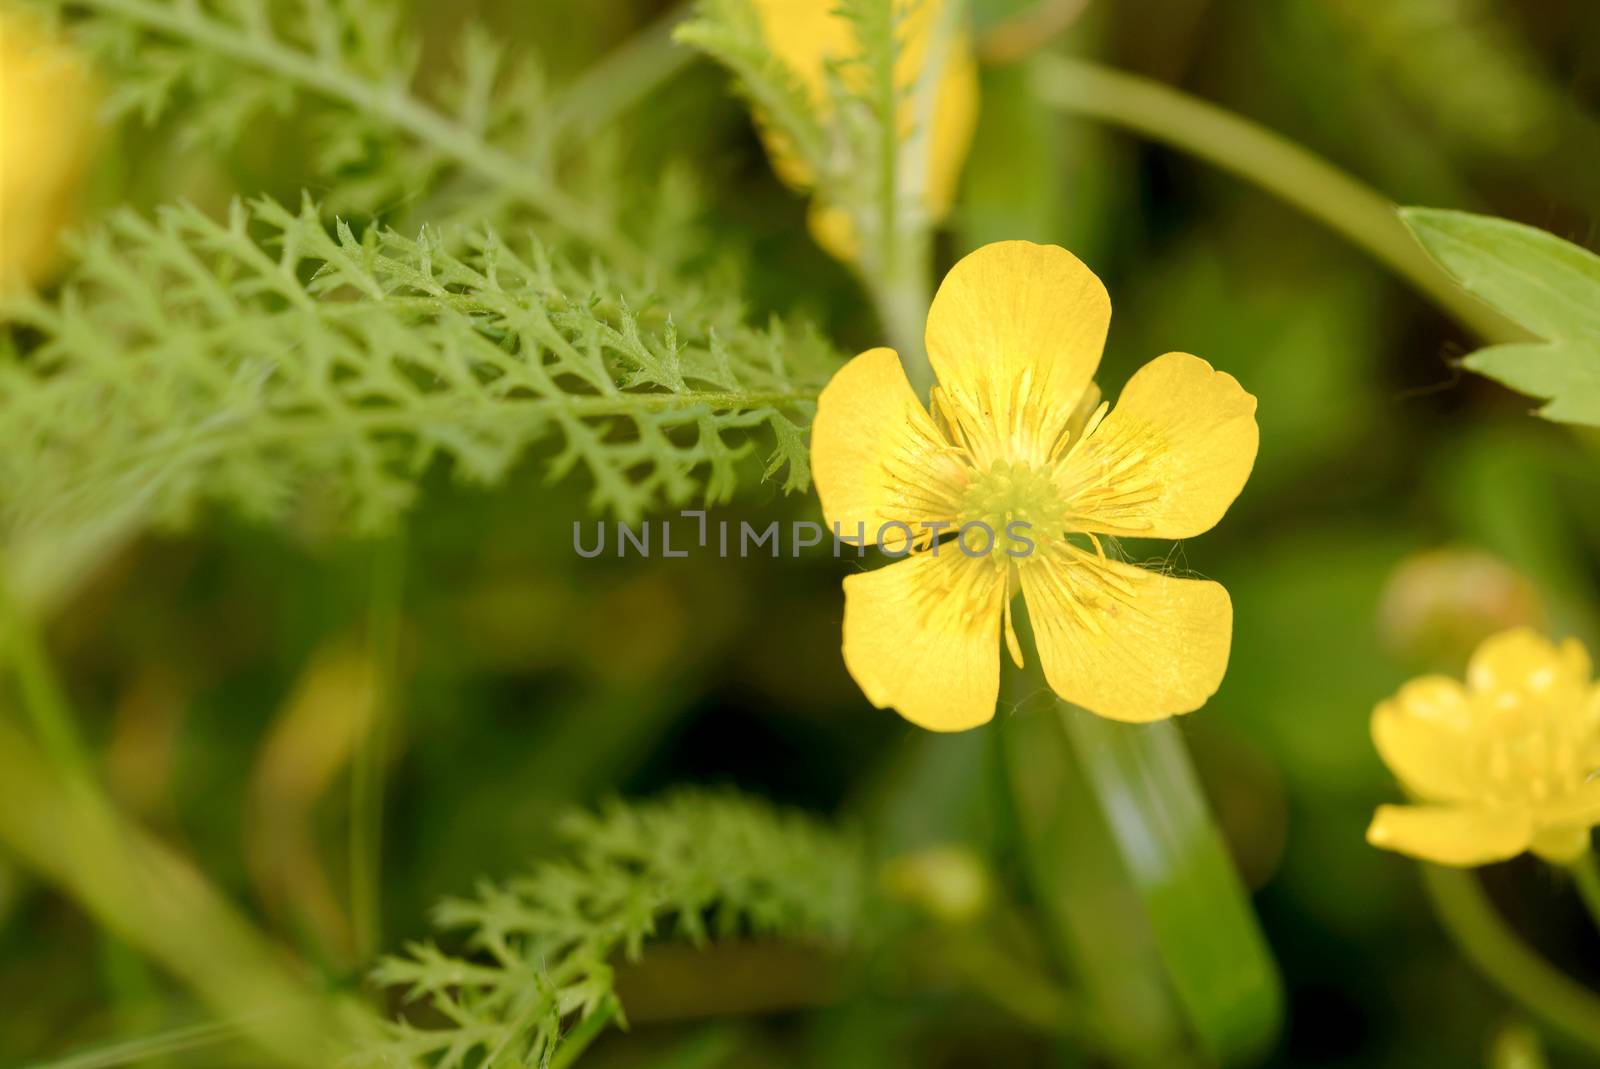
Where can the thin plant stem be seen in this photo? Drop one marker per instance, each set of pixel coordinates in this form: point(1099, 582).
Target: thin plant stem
point(43, 699)
point(1488, 942)
point(1586, 876)
point(174, 1041)
point(368, 768)
point(1274, 163)
point(584, 1033)
point(622, 78)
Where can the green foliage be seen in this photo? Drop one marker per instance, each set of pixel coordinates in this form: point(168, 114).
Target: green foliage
point(1549, 286)
point(693, 865)
point(345, 71)
point(255, 361)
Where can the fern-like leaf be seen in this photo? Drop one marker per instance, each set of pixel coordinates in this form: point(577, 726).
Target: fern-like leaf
point(695, 866)
point(260, 360)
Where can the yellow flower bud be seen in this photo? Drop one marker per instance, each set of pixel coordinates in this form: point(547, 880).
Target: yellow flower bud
point(47, 105)
point(806, 35)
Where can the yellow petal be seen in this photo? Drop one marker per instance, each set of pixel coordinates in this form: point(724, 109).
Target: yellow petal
point(876, 455)
point(1561, 844)
point(806, 36)
point(923, 636)
point(1124, 642)
point(1424, 735)
point(1523, 660)
point(1448, 835)
point(1015, 334)
point(1578, 807)
point(1169, 459)
point(832, 229)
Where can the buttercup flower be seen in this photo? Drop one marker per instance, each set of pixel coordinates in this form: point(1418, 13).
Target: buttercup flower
point(1509, 762)
point(806, 35)
point(46, 123)
point(1017, 435)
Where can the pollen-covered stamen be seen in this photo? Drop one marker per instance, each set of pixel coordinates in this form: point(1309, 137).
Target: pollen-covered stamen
point(1106, 480)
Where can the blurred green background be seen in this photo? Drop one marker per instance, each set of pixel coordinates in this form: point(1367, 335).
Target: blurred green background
point(209, 663)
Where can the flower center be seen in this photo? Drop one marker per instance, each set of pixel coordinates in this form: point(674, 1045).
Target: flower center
point(1013, 493)
point(1533, 753)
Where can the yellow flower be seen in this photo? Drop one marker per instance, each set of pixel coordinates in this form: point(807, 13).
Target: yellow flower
point(1509, 762)
point(46, 123)
point(806, 35)
point(1016, 435)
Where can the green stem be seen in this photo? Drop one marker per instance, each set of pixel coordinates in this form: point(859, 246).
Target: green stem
point(902, 303)
point(368, 769)
point(575, 1042)
point(1506, 961)
point(43, 699)
point(1586, 875)
point(1274, 163)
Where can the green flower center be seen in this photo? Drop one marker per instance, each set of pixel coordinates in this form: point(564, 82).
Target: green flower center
point(1010, 493)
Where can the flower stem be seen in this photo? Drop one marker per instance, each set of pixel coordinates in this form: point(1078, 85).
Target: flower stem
point(1483, 936)
point(575, 1042)
point(1586, 875)
point(43, 700)
point(1279, 166)
point(902, 303)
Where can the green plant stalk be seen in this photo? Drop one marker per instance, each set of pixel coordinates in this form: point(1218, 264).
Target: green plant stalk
point(1279, 166)
point(1586, 877)
point(584, 1033)
point(1484, 938)
point(902, 304)
point(42, 698)
point(155, 900)
point(896, 276)
point(369, 769)
point(1135, 883)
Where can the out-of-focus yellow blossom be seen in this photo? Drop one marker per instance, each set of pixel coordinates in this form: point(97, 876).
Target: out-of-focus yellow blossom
point(47, 105)
point(806, 35)
point(1509, 762)
point(1017, 434)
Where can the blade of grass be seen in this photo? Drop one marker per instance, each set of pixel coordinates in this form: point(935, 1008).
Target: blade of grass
point(1136, 882)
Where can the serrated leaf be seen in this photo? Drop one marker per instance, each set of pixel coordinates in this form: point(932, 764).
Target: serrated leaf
point(1549, 286)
